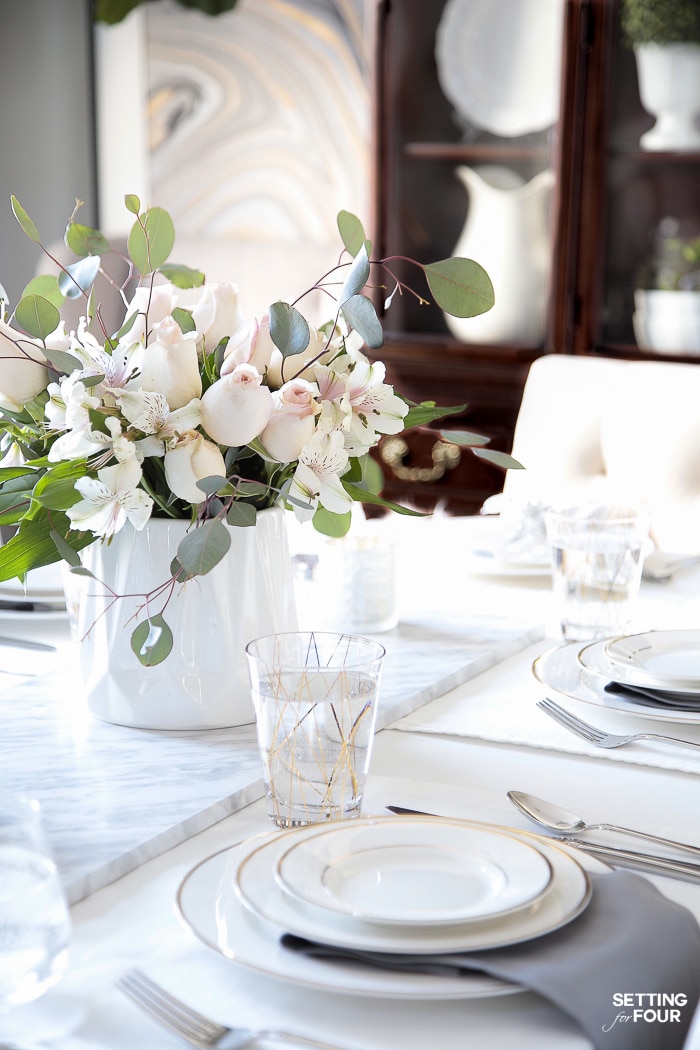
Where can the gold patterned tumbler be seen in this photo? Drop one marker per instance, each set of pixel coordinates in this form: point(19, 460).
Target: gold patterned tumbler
point(315, 696)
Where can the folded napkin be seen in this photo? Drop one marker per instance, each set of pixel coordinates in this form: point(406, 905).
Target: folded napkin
point(631, 941)
point(663, 698)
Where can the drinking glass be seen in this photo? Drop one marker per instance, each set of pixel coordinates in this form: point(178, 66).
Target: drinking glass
point(315, 696)
point(597, 555)
point(34, 921)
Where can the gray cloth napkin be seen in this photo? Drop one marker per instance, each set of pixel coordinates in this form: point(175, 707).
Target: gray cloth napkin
point(630, 941)
point(655, 697)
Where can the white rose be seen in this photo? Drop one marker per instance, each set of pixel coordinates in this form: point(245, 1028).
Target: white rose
point(154, 302)
point(292, 421)
point(216, 312)
point(23, 372)
point(189, 459)
point(250, 345)
point(298, 366)
point(237, 407)
point(170, 365)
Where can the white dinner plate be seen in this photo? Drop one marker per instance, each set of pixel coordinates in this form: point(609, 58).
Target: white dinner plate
point(484, 563)
point(660, 659)
point(214, 913)
point(413, 873)
point(261, 893)
point(499, 61)
point(35, 615)
point(561, 670)
point(42, 585)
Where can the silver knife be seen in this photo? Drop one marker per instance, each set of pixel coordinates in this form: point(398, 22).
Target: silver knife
point(649, 862)
point(27, 643)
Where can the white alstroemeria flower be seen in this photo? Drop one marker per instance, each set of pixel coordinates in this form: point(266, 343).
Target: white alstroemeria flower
point(376, 409)
point(68, 409)
point(12, 455)
point(110, 500)
point(149, 412)
point(317, 477)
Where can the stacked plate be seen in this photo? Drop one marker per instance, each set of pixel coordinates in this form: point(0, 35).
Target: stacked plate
point(406, 886)
point(42, 595)
point(655, 674)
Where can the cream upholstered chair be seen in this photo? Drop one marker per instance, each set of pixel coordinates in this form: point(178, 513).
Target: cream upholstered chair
point(596, 428)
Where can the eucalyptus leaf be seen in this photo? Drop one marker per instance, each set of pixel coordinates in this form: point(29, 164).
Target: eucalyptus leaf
point(461, 287)
point(37, 316)
point(79, 277)
point(360, 314)
point(85, 240)
point(241, 515)
point(182, 276)
point(132, 202)
point(427, 412)
point(372, 475)
point(357, 276)
point(351, 231)
point(329, 524)
point(211, 484)
point(24, 220)
point(289, 329)
point(65, 550)
point(62, 361)
point(464, 437)
point(151, 240)
point(184, 319)
point(203, 548)
point(46, 285)
point(152, 641)
point(499, 459)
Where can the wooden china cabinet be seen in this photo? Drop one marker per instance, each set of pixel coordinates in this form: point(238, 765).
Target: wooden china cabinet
point(606, 198)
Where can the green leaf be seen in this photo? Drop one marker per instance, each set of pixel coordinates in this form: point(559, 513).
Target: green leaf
point(62, 361)
point(361, 495)
point(182, 276)
point(33, 546)
point(241, 515)
point(499, 459)
point(372, 475)
point(84, 240)
point(289, 329)
point(203, 548)
point(357, 277)
point(329, 524)
point(464, 437)
point(66, 551)
point(460, 286)
point(360, 314)
point(133, 204)
point(37, 316)
point(79, 277)
point(351, 231)
point(152, 640)
point(427, 412)
point(24, 220)
point(184, 319)
point(45, 285)
point(151, 240)
point(211, 484)
point(57, 493)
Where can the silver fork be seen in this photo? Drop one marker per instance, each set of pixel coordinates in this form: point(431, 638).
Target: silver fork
point(599, 737)
point(192, 1027)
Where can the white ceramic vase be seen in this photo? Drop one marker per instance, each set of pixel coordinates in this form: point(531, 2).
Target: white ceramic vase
point(669, 89)
point(203, 683)
point(507, 232)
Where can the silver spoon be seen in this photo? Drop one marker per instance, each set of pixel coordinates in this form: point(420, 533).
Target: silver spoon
point(563, 822)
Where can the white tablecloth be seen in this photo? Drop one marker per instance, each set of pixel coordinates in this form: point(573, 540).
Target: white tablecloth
point(134, 922)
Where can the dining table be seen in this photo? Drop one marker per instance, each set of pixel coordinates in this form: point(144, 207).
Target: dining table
point(130, 814)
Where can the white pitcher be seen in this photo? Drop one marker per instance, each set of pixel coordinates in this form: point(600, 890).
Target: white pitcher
point(507, 232)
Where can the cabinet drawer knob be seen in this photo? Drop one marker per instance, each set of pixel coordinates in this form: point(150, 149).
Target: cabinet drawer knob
point(445, 456)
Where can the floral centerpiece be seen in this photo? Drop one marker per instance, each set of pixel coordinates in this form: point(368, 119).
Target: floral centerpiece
point(190, 411)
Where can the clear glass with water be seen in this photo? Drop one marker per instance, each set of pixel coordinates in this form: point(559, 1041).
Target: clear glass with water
point(34, 921)
point(315, 696)
point(597, 554)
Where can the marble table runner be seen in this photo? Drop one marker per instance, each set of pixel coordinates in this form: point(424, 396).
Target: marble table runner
point(115, 797)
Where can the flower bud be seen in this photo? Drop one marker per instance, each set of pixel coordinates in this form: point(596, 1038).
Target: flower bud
point(23, 372)
point(237, 407)
point(170, 365)
point(250, 345)
point(189, 459)
point(292, 421)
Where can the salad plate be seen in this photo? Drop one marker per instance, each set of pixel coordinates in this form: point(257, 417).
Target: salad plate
point(418, 874)
point(256, 884)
